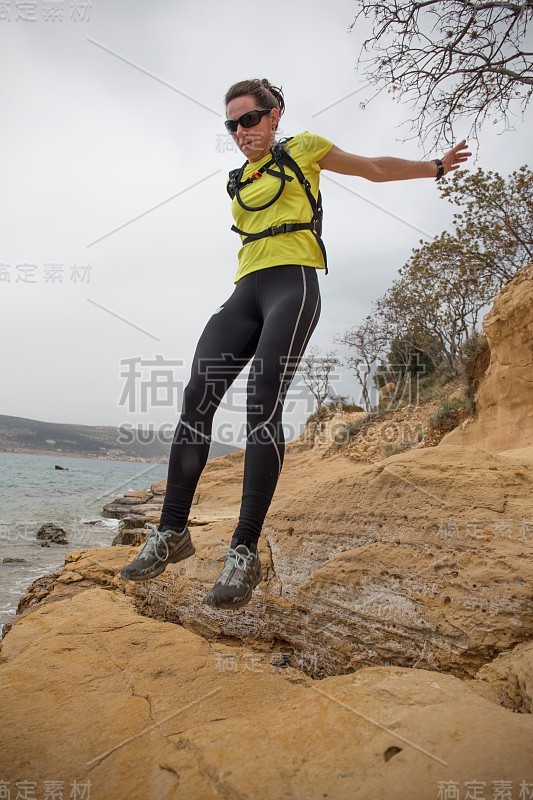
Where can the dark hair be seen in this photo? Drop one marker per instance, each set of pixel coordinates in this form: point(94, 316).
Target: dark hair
point(265, 95)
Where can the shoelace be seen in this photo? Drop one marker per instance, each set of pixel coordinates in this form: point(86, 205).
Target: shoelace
point(239, 560)
point(242, 561)
point(154, 539)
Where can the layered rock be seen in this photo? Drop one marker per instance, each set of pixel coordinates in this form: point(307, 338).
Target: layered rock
point(339, 589)
point(511, 676)
point(384, 653)
point(140, 709)
point(504, 400)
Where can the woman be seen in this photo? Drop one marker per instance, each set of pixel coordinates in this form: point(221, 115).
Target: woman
point(269, 317)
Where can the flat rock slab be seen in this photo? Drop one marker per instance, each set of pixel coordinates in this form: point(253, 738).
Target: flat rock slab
point(114, 702)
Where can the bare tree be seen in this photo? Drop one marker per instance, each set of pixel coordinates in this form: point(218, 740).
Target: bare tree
point(316, 374)
point(367, 342)
point(449, 59)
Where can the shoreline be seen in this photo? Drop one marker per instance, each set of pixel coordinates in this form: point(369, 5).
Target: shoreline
point(61, 454)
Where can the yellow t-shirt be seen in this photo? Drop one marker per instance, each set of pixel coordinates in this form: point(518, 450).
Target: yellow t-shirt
point(296, 247)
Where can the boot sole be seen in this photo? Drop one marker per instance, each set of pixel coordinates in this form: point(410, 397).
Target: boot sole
point(160, 567)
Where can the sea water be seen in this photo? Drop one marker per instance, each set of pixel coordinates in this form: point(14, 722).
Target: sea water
point(33, 492)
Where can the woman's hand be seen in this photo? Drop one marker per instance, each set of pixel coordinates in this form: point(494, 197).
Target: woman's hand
point(455, 157)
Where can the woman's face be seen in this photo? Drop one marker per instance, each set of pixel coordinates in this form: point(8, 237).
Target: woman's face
point(254, 143)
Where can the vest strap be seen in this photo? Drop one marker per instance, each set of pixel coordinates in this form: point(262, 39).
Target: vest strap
point(282, 158)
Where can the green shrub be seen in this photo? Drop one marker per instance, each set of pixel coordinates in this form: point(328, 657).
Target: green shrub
point(474, 359)
point(450, 413)
point(393, 448)
point(355, 425)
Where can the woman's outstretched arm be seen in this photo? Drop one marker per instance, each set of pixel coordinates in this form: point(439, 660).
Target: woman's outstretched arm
point(385, 168)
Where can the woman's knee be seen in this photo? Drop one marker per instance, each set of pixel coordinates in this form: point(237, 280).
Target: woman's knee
point(267, 433)
point(199, 398)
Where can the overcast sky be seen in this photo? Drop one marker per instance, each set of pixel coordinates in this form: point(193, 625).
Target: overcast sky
point(114, 159)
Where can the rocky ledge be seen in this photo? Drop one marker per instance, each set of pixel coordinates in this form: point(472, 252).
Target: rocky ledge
point(387, 652)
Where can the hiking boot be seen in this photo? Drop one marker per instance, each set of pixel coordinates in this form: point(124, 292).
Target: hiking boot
point(240, 574)
point(160, 548)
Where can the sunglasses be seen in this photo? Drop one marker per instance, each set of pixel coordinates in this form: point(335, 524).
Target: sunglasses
point(247, 120)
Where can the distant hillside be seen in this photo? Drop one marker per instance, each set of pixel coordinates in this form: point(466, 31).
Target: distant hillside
point(20, 435)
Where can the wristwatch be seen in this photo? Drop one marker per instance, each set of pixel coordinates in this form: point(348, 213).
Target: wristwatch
point(440, 168)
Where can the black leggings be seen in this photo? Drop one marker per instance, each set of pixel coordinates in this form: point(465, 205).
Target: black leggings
point(270, 316)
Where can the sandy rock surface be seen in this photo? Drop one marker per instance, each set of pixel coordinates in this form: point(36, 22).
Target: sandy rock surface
point(504, 400)
point(386, 653)
point(147, 709)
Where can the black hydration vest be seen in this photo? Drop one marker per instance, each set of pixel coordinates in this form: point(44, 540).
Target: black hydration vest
point(282, 158)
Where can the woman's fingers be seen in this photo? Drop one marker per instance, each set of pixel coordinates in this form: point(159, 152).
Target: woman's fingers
point(456, 156)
